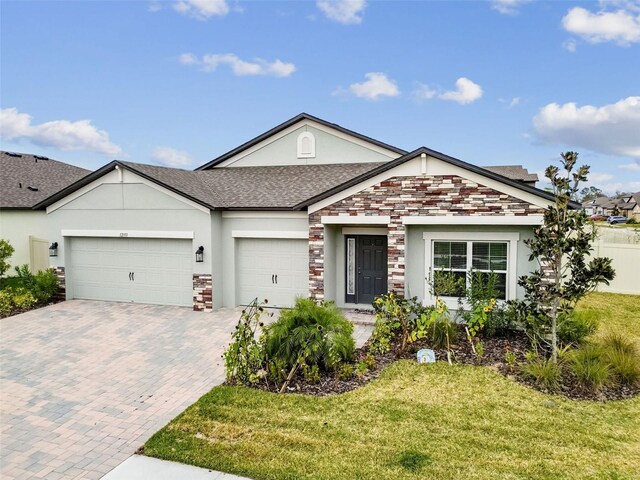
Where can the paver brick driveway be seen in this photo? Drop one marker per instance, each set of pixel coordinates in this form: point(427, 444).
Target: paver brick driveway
point(84, 384)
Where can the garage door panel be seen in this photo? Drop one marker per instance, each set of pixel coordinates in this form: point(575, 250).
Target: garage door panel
point(260, 260)
point(162, 268)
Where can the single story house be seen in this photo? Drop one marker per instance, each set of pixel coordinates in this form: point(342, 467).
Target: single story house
point(596, 206)
point(308, 208)
point(26, 180)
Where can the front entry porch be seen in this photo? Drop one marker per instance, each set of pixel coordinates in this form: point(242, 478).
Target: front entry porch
point(366, 268)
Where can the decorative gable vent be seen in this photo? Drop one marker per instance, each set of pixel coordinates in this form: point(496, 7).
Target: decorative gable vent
point(306, 145)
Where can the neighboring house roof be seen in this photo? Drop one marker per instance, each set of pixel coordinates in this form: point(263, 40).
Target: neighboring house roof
point(514, 172)
point(26, 180)
point(287, 124)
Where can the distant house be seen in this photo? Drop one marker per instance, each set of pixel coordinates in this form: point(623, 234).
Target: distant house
point(596, 206)
point(515, 172)
point(24, 181)
point(630, 206)
point(308, 208)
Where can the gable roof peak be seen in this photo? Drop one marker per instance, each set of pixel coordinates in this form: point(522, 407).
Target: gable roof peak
point(292, 121)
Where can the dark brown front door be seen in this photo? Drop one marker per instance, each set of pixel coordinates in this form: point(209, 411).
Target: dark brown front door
point(370, 269)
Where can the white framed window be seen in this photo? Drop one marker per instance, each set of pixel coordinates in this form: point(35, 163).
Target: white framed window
point(306, 145)
point(462, 252)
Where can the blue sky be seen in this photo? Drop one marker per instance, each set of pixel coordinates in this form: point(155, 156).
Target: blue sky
point(181, 82)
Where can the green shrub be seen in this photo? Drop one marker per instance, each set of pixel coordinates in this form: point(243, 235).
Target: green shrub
point(502, 320)
point(370, 361)
point(361, 368)
point(25, 277)
point(381, 336)
point(443, 332)
point(575, 327)
point(590, 369)
point(311, 373)
point(6, 250)
point(345, 371)
point(543, 371)
point(395, 314)
point(45, 285)
point(623, 358)
point(311, 333)
point(23, 299)
point(243, 358)
point(6, 302)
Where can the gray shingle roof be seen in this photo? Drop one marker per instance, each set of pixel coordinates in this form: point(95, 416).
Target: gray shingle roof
point(26, 180)
point(514, 172)
point(255, 187)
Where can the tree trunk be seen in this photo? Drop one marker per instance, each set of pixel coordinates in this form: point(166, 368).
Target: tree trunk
point(554, 310)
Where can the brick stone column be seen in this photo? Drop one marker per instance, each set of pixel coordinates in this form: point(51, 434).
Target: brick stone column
point(61, 294)
point(316, 257)
point(202, 292)
point(396, 255)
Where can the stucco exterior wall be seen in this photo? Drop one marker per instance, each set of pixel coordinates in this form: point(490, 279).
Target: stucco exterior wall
point(276, 222)
point(329, 148)
point(16, 226)
point(398, 197)
point(123, 202)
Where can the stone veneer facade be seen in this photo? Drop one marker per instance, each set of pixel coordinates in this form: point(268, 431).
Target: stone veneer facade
point(202, 292)
point(62, 286)
point(399, 197)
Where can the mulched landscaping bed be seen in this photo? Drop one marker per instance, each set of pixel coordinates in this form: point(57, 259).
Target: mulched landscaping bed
point(493, 357)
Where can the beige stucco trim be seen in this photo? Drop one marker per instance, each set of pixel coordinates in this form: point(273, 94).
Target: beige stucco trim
point(355, 220)
point(269, 234)
point(127, 233)
point(264, 214)
point(364, 231)
point(474, 220)
point(304, 123)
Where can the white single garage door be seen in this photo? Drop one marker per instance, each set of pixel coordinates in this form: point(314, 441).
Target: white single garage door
point(272, 269)
point(143, 270)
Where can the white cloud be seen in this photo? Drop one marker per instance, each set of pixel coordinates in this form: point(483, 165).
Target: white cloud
point(596, 177)
point(507, 7)
point(633, 166)
point(154, 6)
point(377, 85)
point(423, 92)
point(514, 102)
point(466, 92)
point(621, 26)
point(211, 61)
point(347, 12)
point(62, 134)
point(613, 187)
point(570, 45)
point(201, 9)
point(170, 157)
point(611, 129)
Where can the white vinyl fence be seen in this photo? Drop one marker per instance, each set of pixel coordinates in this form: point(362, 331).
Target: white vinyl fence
point(622, 246)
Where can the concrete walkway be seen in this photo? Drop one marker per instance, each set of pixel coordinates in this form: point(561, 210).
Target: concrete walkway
point(139, 467)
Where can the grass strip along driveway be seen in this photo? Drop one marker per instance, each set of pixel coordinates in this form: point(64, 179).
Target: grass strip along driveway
point(415, 421)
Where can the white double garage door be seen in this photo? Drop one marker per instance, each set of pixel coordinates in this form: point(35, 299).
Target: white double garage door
point(160, 271)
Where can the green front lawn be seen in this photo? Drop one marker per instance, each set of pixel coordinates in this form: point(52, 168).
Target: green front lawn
point(415, 422)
